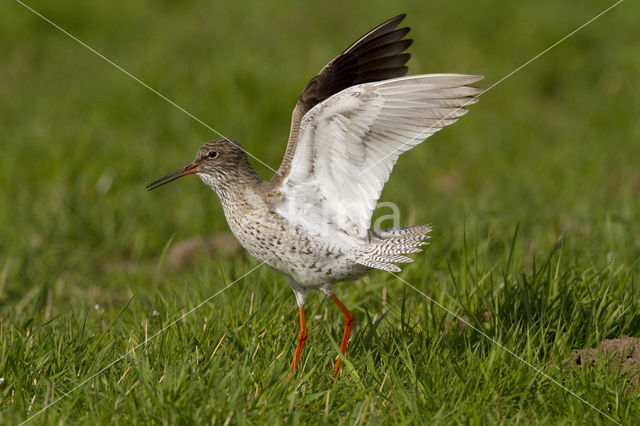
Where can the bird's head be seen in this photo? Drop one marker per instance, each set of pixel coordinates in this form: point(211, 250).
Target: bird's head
point(216, 162)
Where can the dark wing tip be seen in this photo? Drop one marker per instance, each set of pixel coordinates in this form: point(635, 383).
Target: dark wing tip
point(377, 55)
point(383, 28)
point(395, 20)
point(398, 19)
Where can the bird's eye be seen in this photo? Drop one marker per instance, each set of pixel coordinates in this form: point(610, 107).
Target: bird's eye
point(212, 154)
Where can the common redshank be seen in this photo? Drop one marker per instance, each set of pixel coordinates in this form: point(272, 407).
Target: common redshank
point(311, 221)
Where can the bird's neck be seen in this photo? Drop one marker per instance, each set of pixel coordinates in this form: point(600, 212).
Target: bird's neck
point(233, 185)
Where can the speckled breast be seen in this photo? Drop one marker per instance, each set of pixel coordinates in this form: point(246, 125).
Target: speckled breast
point(309, 262)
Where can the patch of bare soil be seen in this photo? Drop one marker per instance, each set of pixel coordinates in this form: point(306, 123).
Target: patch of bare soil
point(183, 253)
point(449, 183)
point(620, 355)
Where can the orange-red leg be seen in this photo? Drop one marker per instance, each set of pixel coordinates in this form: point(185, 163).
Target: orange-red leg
point(302, 337)
point(348, 323)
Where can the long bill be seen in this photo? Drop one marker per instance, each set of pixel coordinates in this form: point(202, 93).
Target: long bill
point(186, 170)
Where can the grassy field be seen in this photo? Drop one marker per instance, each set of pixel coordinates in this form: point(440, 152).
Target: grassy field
point(534, 196)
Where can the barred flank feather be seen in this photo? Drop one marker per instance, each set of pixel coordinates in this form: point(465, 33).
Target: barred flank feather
point(388, 245)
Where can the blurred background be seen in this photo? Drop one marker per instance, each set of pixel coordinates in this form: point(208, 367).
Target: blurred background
point(553, 149)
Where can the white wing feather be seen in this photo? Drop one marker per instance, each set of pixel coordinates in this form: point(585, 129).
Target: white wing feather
point(349, 143)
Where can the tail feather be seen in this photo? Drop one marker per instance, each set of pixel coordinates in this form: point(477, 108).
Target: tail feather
point(388, 245)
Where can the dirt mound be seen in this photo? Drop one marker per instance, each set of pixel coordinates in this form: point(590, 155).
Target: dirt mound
point(620, 355)
point(183, 253)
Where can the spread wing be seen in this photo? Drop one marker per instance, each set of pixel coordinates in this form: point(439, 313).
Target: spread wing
point(377, 55)
point(349, 143)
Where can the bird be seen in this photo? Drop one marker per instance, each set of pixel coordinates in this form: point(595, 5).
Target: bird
point(312, 220)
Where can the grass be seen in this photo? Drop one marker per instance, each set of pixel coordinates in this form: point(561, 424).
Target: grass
point(535, 199)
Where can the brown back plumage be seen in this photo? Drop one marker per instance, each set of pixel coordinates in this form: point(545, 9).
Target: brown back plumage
point(377, 55)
